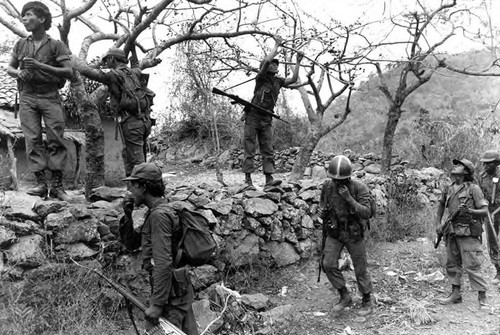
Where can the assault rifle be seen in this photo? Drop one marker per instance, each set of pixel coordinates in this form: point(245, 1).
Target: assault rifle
point(248, 105)
point(446, 227)
point(164, 327)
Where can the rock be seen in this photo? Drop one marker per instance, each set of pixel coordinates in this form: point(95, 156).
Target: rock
point(256, 301)
point(259, 206)
point(204, 276)
point(81, 212)
point(199, 200)
point(310, 195)
point(27, 227)
point(204, 315)
point(277, 314)
point(373, 168)
point(101, 204)
point(306, 248)
point(106, 193)
point(283, 253)
point(55, 221)
point(27, 252)
point(45, 207)
point(7, 237)
point(77, 251)
point(222, 207)
point(318, 173)
point(80, 231)
point(242, 249)
point(209, 215)
point(255, 194)
point(233, 223)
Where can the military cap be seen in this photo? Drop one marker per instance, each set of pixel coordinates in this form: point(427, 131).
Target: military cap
point(466, 163)
point(145, 171)
point(490, 156)
point(116, 52)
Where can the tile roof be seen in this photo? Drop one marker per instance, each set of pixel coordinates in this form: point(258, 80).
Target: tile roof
point(8, 88)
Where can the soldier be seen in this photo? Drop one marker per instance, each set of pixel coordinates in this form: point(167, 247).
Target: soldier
point(259, 126)
point(345, 209)
point(41, 66)
point(488, 180)
point(466, 204)
point(172, 293)
point(134, 125)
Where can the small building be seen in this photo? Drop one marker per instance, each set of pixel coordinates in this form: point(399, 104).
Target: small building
point(13, 163)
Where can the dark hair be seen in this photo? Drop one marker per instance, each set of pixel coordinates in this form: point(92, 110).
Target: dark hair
point(154, 187)
point(40, 10)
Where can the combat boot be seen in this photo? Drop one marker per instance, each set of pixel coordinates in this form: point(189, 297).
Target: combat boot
point(56, 188)
point(481, 296)
point(41, 185)
point(496, 280)
point(270, 181)
point(345, 301)
point(454, 298)
point(248, 181)
point(366, 305)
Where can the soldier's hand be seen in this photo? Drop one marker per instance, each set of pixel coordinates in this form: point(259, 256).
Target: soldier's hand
point(25, 75)
point(30, 63)
point(128, 205)
point(300, 55)
point(153, 312)
point(344, 192)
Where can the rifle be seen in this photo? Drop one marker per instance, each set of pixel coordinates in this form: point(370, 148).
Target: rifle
point(247, 104)
point(164, 327)
point(446, 225)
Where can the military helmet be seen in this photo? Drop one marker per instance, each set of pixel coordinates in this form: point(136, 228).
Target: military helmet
point(340, 167)
point(490, 156)
point(117, 53)
point(466, 163)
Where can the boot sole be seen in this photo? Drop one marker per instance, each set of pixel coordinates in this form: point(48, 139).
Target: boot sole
point(458, 301)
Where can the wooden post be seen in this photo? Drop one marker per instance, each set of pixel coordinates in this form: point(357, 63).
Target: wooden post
point(13, 163)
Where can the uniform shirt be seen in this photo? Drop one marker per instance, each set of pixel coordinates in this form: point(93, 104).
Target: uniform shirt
point(486, 183)
point(330, 199)
point(467, 193)
point(267, 89)
point(50, 51)
point(157, 239)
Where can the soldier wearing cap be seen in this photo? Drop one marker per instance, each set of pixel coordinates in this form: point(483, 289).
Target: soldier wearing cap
point(488, 180)
point(466, 205)
point(258, 127)
point(133, 127)
point(41, 66)
point(172, 293)
point(345, 209)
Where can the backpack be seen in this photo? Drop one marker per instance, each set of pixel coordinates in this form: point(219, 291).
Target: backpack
point(136, 98)
point(196, 246)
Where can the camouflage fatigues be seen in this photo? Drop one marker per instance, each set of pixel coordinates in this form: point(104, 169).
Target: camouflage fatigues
point(350, 225)
point(259, 126)
point(464, 252)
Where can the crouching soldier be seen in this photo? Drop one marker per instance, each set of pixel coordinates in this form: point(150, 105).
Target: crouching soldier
point(172, 294)
point(345, 208)
point(466, 204)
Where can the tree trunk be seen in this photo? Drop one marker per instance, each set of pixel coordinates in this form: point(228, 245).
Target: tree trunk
point(390, 130)
point(306, 150)
point(94, 138)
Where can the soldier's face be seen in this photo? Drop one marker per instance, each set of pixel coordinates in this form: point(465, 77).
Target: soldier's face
point(341, 182)
point(32, 22)
point(137, 189)
point(490, 167)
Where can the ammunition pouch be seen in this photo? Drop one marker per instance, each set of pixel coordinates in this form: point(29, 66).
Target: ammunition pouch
point(331, 227)
point(465, 224)
point(180, 282)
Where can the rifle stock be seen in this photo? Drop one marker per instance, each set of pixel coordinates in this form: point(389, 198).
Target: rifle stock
point(164, 327)
point(245, 103)
point(446, 225)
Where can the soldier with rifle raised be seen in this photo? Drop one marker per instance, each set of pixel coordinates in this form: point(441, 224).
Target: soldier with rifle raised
point(258, 126)
point(463, 233)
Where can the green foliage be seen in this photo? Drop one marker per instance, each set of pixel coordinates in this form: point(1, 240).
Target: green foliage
point(64, 301)
point(406, 218)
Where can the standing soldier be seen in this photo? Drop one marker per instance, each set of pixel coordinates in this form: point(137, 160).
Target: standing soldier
point(133, 124)
point(41, 66)
point(345, 209)
point(172, 293)
point(259, 126)
point(488, 180)
point(466, 204)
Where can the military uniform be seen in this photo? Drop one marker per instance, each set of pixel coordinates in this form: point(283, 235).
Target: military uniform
point(259, 126)
point(170, 283)
point(345, 228)
point(463, 245)
point(39, 99)
point(486, 183)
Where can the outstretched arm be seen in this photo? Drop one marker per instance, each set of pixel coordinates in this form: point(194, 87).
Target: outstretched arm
point(295, 75)
point(270, 56)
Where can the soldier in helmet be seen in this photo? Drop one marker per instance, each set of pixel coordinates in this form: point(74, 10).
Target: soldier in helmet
point(466, 205)
point(345, 209)
point(488, 181)
point(258, 126)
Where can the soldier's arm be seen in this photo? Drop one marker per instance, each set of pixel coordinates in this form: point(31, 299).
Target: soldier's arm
point(480, 203)
point(295, 74)
point(360, 205)
point(270, 56)
point(128, 236)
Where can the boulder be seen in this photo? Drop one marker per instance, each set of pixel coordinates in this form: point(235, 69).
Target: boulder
point(283, 253)
point(242, 249)
point(222, 207)
point(80, 231)
point(204, 316)
point(45, 207)
point(256, 301)
point(204, 276)
point(27, 252)
point(259, 206)
point(106, 193)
